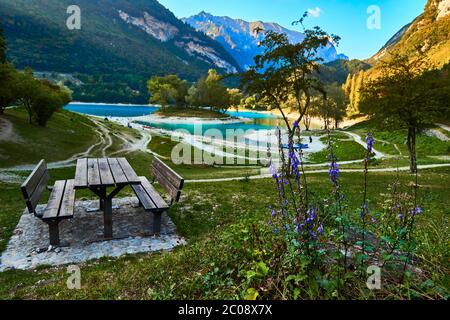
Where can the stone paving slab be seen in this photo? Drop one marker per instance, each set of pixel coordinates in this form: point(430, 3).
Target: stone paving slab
point(82, 236)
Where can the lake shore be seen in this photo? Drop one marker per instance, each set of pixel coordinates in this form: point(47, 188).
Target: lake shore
point(293, 116)
point(113, 104)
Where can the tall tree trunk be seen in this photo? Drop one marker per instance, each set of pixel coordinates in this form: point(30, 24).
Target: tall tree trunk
point(325, 121)
point(307, 122)
point(30, 112)
point(412, 149)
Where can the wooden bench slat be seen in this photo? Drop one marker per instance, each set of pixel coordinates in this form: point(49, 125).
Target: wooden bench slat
point(170, 188)
point(93, 173)
point(144, 198)
point(68, 201)
point(153, 194)
point(128, 171)
point(105, 172)
point(81, 176)
point(54, 203)
point(33, 179)
point(117, 172)
point(173, 177)
point(34, 198)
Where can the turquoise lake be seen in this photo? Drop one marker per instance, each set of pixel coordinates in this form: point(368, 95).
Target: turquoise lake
point(253, 120)
point(111, 110)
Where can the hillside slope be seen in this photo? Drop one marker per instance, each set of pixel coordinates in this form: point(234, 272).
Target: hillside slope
point(66, 134)
point(121, 44)
point(430, 32)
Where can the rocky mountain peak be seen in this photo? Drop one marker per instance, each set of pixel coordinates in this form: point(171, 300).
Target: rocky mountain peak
point(242, 42)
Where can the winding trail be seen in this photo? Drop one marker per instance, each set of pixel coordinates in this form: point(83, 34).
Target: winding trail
point(265, 176)
point(105, 141)
point(443, 126)
point(360, 141)
point(131, 144)
point(6, 130)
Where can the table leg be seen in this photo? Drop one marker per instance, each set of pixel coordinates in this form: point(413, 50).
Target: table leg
point(107, 218)
point(102, 198)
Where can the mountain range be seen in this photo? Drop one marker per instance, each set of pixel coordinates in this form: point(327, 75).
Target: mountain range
point(239, 38)
point(120, 45)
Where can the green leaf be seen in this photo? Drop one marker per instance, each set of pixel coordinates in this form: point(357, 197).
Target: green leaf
point(296, 293)
point(252, 294)
point(250, 274)
point(262, 269)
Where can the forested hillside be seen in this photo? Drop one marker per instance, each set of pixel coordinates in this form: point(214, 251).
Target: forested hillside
point(120, 45)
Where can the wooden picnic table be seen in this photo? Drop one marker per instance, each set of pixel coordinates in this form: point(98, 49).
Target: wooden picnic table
point(99, 174)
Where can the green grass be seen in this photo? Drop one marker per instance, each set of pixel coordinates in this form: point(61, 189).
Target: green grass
point(217, 219)
point(345, 150)
point(222, 223)
point(163, 146)
point(426, 146)
point(66, 134)
point(191, 113)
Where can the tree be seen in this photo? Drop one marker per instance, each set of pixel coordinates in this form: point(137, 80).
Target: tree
point(285, 69)
point(49, 99)
point(39, 98)
point(336, 105)
point(210, 92)
point(315, 110)
point(408, 96)
point(251, 102)
point(2, 47)
point(8, 82)
point(235, 97)
point(28, 89)
point(168, 91)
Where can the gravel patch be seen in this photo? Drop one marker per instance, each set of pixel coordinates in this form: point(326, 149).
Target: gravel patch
point(82, 236)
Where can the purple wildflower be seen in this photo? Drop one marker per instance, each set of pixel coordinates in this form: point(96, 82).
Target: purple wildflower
point(334, 172)
point(273, 212)
point(298, 228)
point(295, 165)
point(320, 230)
point(369, 140)
point(273, 170)
point(416, 211)
point(295, 125)
point(400, 217)
point(276, 231)
point(311, 215)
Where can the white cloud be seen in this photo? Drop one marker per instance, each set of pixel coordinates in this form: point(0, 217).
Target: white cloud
point(315, 12)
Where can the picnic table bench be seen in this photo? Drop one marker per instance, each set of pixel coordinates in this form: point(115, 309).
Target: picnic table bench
point(60, 204)
point(148, 196)
point(98, 175)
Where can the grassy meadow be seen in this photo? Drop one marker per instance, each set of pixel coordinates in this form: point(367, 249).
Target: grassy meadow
point(224, 223)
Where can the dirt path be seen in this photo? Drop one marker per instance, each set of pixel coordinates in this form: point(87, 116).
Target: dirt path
point(6, 130)
point(443, 126)
point(105, 141)
point(131, 144)
point(359, 140)
point(265, 176)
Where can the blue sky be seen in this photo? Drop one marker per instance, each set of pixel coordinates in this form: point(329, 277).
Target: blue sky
point(346, 18)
